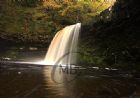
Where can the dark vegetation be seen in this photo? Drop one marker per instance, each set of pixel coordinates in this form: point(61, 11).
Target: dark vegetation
point(114, 39)
point(110, 32)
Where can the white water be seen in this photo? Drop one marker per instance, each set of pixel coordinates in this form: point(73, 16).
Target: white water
point(63, 47)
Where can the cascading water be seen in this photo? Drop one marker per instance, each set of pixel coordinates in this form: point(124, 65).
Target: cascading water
point(63, 47)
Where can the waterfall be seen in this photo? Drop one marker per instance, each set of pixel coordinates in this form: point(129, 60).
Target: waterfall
point(63, 47)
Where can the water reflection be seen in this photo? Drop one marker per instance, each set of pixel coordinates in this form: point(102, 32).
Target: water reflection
point(36, 82)
point(21, 82)
point(58, 90)
point(86, 86)
point(31, 81)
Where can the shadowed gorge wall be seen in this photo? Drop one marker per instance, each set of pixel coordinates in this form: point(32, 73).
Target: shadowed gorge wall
point(114, 41)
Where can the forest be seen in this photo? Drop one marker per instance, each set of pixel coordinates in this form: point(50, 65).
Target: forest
point(37, 21)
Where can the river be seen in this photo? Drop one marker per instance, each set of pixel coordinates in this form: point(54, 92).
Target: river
point(19, 80)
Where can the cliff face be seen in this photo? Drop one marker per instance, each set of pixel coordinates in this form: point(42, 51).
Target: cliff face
point(118, 37)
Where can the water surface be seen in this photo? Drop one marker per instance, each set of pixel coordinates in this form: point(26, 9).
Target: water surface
point(32, 81)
